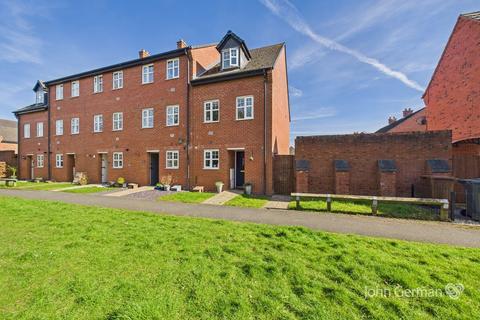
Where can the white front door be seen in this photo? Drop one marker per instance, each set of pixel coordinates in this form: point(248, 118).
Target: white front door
point(32, 166)
point(104, 166)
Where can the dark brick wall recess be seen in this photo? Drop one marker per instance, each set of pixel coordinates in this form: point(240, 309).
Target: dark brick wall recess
point(383, 164)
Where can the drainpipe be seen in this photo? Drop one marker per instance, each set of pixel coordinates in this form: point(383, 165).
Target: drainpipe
point(188, 121)
point(18, 145)
point(49, 167)
point(264, 132)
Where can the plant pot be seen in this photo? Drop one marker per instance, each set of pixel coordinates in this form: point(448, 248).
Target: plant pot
point(219, 187)
point(248, 189)
point(166, 187)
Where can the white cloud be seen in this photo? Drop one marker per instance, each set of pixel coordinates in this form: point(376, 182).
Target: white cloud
point(289, 13)
point(295, 92)
point(316, 114)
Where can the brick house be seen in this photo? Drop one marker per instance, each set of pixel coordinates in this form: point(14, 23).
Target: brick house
point(412, 121)
point(201, 114)
point(8, 135)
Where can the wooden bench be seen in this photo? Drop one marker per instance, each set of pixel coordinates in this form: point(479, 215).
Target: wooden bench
point(132, 185)
point(198, 189)
point(9, 182)
point(442, 203)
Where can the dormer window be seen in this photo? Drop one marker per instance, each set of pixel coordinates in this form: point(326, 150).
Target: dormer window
point(40, 96)
point(230, 58)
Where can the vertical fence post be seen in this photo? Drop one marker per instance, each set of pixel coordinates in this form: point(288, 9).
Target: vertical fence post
point(374, 205)
point(453, 199)
point(329, 203)
point(297, 202)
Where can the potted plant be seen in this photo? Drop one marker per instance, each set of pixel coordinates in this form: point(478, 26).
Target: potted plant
point(121, 182)
point(166, 182)
point(219, 185)
point(13, 172)
point(248, 188)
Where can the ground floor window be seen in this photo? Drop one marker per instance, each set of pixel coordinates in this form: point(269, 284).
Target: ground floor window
point(172, 159)
point(211, 159)
point(40, 160)
point(59, 160)
point(118, 160)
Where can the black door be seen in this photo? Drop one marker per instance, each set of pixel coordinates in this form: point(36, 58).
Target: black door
point(153, 169)
point(239, 168)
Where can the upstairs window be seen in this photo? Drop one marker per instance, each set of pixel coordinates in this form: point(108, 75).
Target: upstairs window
point(211, 111)
point(172, 116)
point(59, 92)
point(172, 68)
point(59, 127)
point(245, 108)
point(40, 94)
point(172, 160)
point(147, 118)
point(39, 129)
point(118, 121)
point(26, 130)
point(98, 84)
point(98, 123)
point(230, 58)
point(117, 80)
point(147, 74)
point(75, 126)
point(75, 88)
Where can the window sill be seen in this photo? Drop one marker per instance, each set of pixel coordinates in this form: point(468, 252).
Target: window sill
point(97, 92)
point(146, 127)
point(116, 130)
point(244, 119)
point(172, 168)
point(73, 97)
point(115, 89)
point(211, 121)
point(97, 132)
point(172, 78)
point(147, 83)
point(204, 168)
point(172, 125)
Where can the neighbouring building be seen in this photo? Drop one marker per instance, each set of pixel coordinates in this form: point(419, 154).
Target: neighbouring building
point(199, 114)
point(8, 135)
point(410, 122)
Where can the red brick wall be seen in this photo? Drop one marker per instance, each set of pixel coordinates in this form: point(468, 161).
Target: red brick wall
point(452, 98)
point(280, 109)
point(203, 58)
point(31, 147)
point(8, 147)
point(414, 123)
point(133, 141)
point(362, 151)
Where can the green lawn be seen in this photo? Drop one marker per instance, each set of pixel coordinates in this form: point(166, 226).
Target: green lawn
point(249, 201)
point(67, 261)
point(364, 207)
point(187, 197)
point(27, 185)
point(92, 189)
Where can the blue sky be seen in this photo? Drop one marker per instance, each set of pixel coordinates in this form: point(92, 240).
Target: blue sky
point(351, 63)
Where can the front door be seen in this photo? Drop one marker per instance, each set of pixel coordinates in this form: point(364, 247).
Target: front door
point(154, 167)
point(71, 167)
point(103, 167)
point(239, 169)
point(32, 166)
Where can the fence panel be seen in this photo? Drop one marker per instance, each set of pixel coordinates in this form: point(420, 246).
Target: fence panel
point(283, 174)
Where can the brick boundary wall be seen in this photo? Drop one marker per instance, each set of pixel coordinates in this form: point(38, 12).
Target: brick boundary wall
point(362, 152)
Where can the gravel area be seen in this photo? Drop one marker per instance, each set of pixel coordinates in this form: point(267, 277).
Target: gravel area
point(148, 195)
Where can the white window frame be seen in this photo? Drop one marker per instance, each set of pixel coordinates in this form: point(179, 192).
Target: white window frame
point(244, 107)
point(59, 92)
point(227, 56)
point(98, 123)
point(39, 129)
point(40, 160)
point(210, 159)
point(208, 109)
point(75, 88)
point(172, 159)
point(59, 160)
point(98, 84)
point(59, 127)
point(147, 75)
point(117, 162)
point(40, 96)
point(117, 121)
point(147, 118)
point(118, 82)
point(173, 65)
point(175, 114)
point(26, 131)
point(75, 126)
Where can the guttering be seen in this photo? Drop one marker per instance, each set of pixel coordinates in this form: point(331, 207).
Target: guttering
point(131, 63)
point(36, 109)
point(229, 76)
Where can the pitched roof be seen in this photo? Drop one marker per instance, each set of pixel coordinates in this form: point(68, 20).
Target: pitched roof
point(392, 125)
point(472, 15)
point(262, 58)
point(8, 131)
point(31, 108)
point(231, 34)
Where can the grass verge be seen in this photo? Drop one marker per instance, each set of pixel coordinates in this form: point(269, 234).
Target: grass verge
point(27, 185)
point(247, 201)
point(394, 210)
point(92, 189)
point(187, 197)
point(62, 260)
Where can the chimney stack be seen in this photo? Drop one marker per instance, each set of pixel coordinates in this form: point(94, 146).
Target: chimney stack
point(407, 112)
point(143, 54)
point(181, 44)
point(391, 119)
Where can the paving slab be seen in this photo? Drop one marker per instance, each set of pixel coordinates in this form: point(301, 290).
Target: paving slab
point(221, 198)
point(126, 192)
point(411, 230)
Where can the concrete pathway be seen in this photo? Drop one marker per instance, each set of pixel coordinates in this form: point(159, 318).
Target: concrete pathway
point(413, 230)
point(221, 198)
point(278, 202)
point(126, 192)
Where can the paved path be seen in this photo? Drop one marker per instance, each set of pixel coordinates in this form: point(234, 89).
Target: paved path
point(126, 192)
point(221, 198)
point(424, 231)
point(278, 202)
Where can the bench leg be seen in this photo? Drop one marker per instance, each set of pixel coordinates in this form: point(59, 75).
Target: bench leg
point(374, 205)
point(329, 203)
point(444, 212)
point(297, 202)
